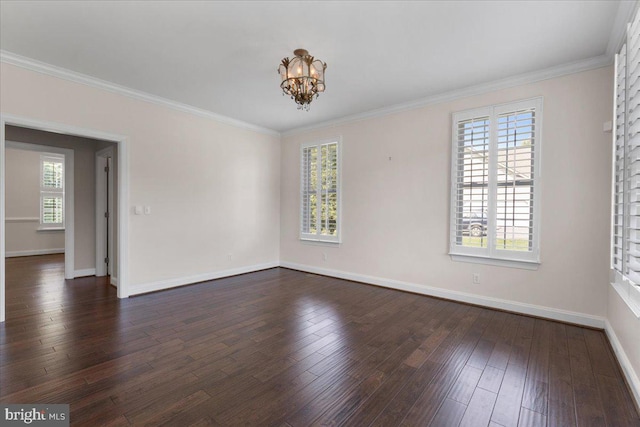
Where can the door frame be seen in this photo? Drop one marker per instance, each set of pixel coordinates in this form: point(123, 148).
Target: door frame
point(102, 237)
point(122, 142)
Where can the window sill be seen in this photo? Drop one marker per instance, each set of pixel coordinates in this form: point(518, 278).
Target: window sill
point(41, 229)
point(630, 294)
point(500, 262)
point(318, 242)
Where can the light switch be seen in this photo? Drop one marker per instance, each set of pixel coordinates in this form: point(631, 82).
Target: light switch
point(137, 210)
point(147, 210)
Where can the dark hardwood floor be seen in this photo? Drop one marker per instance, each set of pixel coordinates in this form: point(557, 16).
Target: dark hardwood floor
point(285, 348)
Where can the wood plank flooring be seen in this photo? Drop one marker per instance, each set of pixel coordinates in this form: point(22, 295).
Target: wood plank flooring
point(285, 348)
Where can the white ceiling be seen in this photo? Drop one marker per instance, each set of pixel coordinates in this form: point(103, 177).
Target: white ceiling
point(222, 56)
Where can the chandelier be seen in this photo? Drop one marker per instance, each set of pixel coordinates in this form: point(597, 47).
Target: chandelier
point(302, 78)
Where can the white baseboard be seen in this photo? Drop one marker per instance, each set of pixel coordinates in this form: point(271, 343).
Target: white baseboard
point(114, 281)
point(84, 273)
point(181, 281)
point(629, 373)
point(518, 307)
point(12, 254)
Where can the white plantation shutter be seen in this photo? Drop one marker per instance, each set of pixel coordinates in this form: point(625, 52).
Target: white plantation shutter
point(309, 186)
point(618, 221)
point(632, 158)
point(329, 190)
point(471, 178)
point(51, 191)
point(515, 176)
point(319, 191)
point(625, 250)
point(52, 210)
point(52, 173)
point(495, 166)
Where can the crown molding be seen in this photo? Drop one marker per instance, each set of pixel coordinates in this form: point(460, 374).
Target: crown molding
point(522, 79)
point(52, 70)
point(532, 77)
point(626, 9)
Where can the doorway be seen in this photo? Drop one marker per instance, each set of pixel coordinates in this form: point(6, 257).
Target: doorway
point(33, 217)
point(121, 215)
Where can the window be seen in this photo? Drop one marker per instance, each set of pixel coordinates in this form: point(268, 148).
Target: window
point(494, 194)
point(51, 191)
point(625, 224)
point(320, 191)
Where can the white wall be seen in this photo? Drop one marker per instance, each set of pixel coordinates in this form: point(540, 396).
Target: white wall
point(23, 207)
point(213, 188)
point(395, 223)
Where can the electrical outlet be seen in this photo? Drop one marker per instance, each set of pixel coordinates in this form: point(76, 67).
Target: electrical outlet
point(476, 278)
point(324, 256)
point(230, 257)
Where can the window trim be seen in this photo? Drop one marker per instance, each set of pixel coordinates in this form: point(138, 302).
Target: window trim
point(49, 192)
point(627, 289)
point(308, 237)
point(491, 255)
